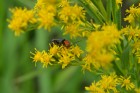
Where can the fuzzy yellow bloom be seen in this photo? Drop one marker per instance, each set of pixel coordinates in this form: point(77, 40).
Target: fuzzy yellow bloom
point(46, 59)
point(133, 14)
point(65, 57)
point(78, 12)
point(125, 82)
point(99, 46)
point(64, 3)
point(129, 18)
point(37, 56)
point(76, 50)
point(70, 13)
point(131, 33)
point(94, 88)
point(42, 57)
point(65, 14)
point(104, 59)
point(54, 49)
point(46, 17)
point(90, 61)
point(43, 3)
point(108, 83)
point(57, 55)
point(73, 30)
point(105, 38)
point(133, 10)
point(20, 20)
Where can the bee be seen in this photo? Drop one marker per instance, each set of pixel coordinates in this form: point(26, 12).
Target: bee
point(61, 42)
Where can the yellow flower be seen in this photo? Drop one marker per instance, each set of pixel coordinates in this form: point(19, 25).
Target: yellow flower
point(89, 63)
point(108, 83)
point(43, 57)
point(70, 13)
point(64, 3)
point(20, 20)
point(43, 3)
point(104, 59)
point(76, 50)
point(133, 14)
point(132, 33)
point(77, 12)
point(65, 14)
point(130, 18)
point(65, 57)
point(133, 10)
point(37, 55)
point(94, 88)
point(46, 17)
point(101, 39)
point(99, 46)
point(73, 30)
point(125, 82)
point(46, 59)
point(53, 49)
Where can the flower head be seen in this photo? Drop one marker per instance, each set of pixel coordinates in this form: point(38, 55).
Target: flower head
point(65, 57)
point(76, 51)
point(94, 88)
point(46, 59)
point(42, 57)
point(46, 17)
point(100, 44)
point(37, 56)
point(69, 13)
point(125, 82)
point(108, 83)
point(54, 49)
point(20, 20)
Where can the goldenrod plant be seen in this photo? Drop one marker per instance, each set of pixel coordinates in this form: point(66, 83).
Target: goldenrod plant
point(112, 50)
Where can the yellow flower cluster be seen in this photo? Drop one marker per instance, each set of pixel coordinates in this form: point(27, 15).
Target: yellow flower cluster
point(21, 19)
point(57, 55)
point(133, 35)
point(72, 17)
point(70, 13)
point(133, 15)
point(125, 82)
point(47, 14)
point(109, 84)
point(99, 45)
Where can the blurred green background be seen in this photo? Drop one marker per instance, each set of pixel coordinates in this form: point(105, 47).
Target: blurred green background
point(18, 73)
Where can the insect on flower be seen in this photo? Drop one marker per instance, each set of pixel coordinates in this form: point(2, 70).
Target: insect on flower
point(61, 42)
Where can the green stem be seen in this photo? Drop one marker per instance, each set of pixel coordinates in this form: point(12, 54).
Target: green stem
point(93, 11)
point(109, 9)
point(27, 77)
point(118, 14)
point(114, 14)
point(100, 6)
